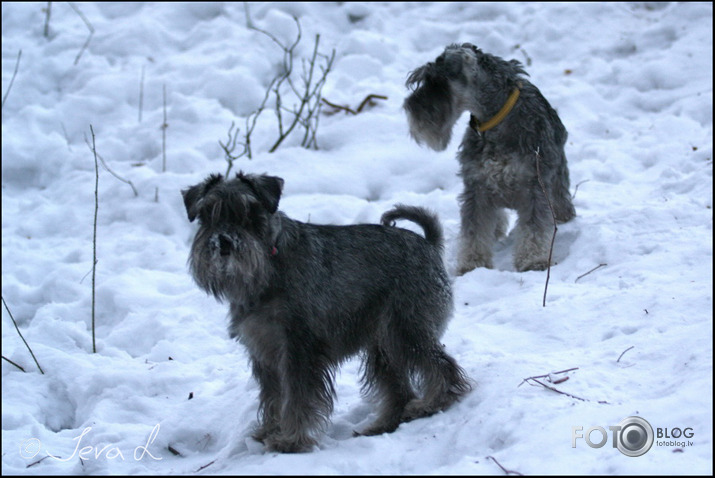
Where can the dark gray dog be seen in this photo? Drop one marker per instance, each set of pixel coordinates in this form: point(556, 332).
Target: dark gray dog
point(504, 159)
point(305, 297)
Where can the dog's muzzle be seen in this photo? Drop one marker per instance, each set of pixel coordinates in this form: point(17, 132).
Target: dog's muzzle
point(224, 243)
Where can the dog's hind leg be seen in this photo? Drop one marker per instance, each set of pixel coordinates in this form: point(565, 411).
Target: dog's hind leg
point(388, 383)
point(561, 197)
point(443, 382)
point(534, 231)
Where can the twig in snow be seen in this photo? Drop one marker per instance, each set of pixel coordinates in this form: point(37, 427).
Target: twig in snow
point(573, 196)
point(337, 108)
point(164, 125)
point(508, 472)
point(367, 101)
point(587, 273)
point(12, 80)
point(131, 184)
point(308, 96)
point(141, 94)
point(13, 363)
point(206, 466)
point(94, 235)
point(548, 375)
point(89, 27)
point(23, 338)
point(553, 216)
point(557, 390)
point(553, 389)
point(43, 458)
point(104, 163)
point(67, 137)
point(249, 23)
point(623, 353)
point(47, 19)
point(230, 145)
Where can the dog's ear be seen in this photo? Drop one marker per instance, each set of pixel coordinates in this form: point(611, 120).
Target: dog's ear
point(193, 195)
point(416, 77)
point(267, 189)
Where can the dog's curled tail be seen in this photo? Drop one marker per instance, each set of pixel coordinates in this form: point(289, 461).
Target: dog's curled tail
point(427, 220)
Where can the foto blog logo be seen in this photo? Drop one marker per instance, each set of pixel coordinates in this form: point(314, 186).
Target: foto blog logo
point(633, 436)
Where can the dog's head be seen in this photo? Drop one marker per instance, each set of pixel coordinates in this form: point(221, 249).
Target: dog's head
point(436, 101)
point(457, 81)
point(237, 232)
point(216, 200)
point(448, 66)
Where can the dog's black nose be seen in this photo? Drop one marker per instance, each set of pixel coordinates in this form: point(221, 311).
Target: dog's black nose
point(224, 244)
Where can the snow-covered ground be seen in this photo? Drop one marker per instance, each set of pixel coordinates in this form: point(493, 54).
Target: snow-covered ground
point(631, 82)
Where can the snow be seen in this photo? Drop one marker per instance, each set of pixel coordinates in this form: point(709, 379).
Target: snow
point(631, 82)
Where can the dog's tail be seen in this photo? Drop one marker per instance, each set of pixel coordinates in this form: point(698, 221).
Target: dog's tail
point(427, 220)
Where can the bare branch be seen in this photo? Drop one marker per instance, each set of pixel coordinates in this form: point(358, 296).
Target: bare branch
point(347, 109)
point(304, 113)
point(368, 101)
point(48, 10)
point(249, 23)
point(109, 170)
point(40, 460)
point(573, 196)
point(205, 466)
point(311, 92)
point(587, 273)
point(536, 378)
point(13, 363)
point(623, 353)
point(548, 375)
point(141, 94)
point(164, 125)
point(12, 80)
point(89, 27)
point(558, 391)
point(94, 235)
point(23, 338)
point(553, 216)
point(508, 472)
point(67, 137)
point(230, 146)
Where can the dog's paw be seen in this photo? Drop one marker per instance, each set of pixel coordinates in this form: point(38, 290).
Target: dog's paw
point(380, 426)
point(418, 408)
point(474, 262)
point(283, 444)
point(262, 432)
point(531, 265)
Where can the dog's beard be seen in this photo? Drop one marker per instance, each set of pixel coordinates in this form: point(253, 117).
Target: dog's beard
point(229, 266)
point(431, 114)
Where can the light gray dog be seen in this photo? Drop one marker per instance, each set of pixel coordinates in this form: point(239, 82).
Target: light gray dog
point(512, 128)
point(305, 297)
